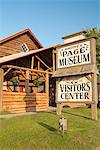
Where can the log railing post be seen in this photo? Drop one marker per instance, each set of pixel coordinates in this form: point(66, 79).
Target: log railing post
point(32, 62)
point(38, 65)
point(27, 90)
point(1, 87)
point(47, 87)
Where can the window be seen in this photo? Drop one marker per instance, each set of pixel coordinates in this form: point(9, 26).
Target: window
point(24, 48)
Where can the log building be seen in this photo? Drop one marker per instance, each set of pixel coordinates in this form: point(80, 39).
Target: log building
point(26, 69)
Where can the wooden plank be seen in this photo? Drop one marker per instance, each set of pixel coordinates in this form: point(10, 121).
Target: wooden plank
point(1, 87)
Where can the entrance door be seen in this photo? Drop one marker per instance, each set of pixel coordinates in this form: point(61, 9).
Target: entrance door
point(52, 92)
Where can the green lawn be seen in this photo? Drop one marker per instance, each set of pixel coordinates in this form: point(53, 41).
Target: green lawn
point(4, 113)
point(40, 132)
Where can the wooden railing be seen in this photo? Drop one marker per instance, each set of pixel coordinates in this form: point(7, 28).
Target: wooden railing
point(23, 102)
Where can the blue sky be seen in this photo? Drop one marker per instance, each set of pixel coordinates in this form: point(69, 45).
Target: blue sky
point(49, 20)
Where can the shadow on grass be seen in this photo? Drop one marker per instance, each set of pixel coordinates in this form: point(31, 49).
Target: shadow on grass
point(50, 128)
point(78, 115)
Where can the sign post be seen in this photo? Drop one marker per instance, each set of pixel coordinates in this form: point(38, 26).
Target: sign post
point(94, 97)
point(76, 74)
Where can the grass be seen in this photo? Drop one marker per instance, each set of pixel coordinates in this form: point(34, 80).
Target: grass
point(4, 112)
point(40, 132)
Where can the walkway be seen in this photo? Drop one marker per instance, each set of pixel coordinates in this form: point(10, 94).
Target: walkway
point(15, 115)
point(51, 109)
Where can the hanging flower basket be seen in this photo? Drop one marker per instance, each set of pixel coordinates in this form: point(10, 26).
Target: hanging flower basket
point(15, 81)
point(37, 82)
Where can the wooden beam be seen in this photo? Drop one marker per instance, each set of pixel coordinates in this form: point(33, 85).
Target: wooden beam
point(25, 69)
point(1, 87)
point(32, 62)
point(15, 67)
point(43, 62)
point(7, 71)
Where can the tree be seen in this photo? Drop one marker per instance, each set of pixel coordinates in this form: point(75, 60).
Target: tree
point(95, 32)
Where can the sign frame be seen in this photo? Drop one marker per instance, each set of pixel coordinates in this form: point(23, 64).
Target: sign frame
point(92, 78)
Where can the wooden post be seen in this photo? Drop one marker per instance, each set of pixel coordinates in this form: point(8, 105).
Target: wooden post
point(47, 87)
point(59, 105)
point(94, 81)
point(59, 108)
point(32, 62)
point(38, 65)
point(53, 59)
point(1, 88)
point(27, 82)
point(94, 96)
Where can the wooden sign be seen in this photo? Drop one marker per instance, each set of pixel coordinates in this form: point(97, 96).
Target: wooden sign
point(76, 73)
point(75, 54)
point(74, 89)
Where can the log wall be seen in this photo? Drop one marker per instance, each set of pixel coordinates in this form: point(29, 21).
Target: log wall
point(22, 102)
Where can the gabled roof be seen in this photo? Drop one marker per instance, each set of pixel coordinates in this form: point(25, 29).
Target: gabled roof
point(26, 31)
